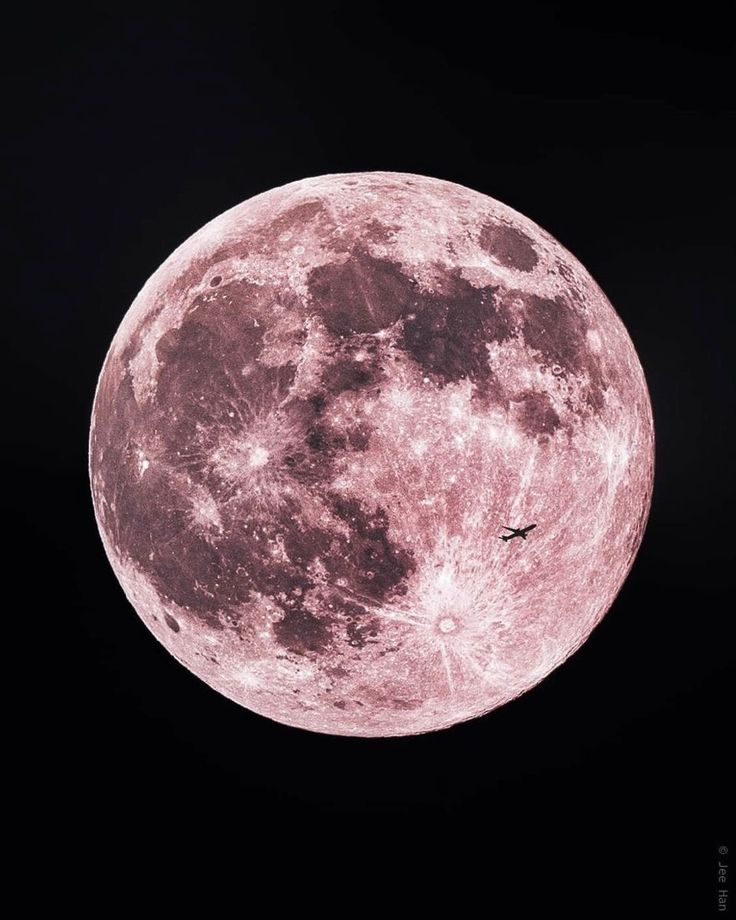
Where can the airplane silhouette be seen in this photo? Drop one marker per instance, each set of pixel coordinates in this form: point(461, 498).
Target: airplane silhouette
point(520, 532)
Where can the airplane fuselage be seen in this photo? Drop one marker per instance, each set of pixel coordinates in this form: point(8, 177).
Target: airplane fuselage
point(517, 532)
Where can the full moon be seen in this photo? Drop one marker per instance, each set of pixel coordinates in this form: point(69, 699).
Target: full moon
point(318, 417)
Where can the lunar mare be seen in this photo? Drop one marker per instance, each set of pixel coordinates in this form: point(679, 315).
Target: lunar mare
point(316, 418)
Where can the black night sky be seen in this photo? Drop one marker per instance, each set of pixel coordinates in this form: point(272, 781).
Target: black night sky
point(610, 126)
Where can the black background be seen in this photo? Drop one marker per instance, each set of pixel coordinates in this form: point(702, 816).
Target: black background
point(613, 129)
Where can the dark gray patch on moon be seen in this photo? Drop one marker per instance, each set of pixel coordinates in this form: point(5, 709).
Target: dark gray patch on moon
point(361, 294)
point(347, 373)
point(448, 334)
point(509, 246)
point(302, 633)
point(537, 416)
point(370, 562)
point(558, 332)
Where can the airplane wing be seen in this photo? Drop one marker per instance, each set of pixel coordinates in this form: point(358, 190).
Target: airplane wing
point(512, 529)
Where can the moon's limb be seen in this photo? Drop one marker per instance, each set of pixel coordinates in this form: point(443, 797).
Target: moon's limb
point(315, 420)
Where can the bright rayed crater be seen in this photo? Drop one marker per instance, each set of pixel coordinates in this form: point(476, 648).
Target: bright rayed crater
point(313, 424)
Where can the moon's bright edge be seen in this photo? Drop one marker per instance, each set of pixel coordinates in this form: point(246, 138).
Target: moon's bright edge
point(314, 422)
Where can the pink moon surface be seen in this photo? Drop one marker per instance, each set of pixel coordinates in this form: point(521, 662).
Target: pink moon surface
point(316, 419)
